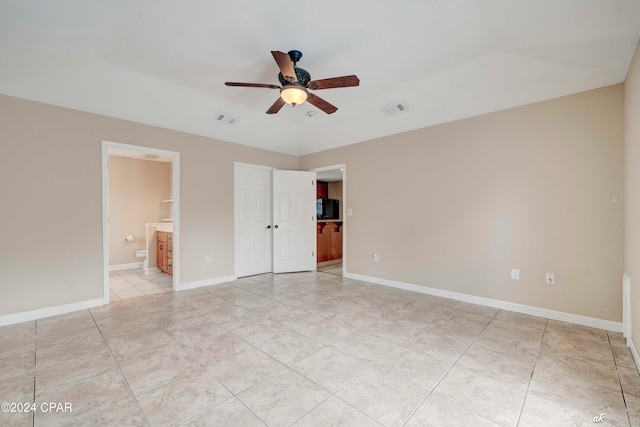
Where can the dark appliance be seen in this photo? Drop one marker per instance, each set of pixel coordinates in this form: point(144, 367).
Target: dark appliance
point(328, 209)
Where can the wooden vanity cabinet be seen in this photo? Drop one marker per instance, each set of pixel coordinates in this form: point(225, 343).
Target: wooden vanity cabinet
point(165, 252)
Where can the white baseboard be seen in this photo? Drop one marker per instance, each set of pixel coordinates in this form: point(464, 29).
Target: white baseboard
point(634, 351)
point(25, 316)
point(129, 266)
point(207, 282)
point(151, 270)
point(519, 308)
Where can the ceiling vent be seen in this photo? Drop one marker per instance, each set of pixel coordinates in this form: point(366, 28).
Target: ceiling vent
point(226, 118)
point(393, 109)
point(148, 156)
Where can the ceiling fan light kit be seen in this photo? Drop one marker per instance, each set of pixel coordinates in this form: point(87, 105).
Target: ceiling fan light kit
point(296, 83)
point(294, 94)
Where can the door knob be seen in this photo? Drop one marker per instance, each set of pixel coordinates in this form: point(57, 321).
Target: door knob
point(276, 226)
point(268, 227)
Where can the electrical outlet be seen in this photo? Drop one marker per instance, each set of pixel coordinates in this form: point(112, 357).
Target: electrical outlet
point(550, 279)
point(376, 256)
point(209, 257)
point(349, 212)
point(515, 274)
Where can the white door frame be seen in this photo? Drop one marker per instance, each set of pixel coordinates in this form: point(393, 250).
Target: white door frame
point(344, 208)
point(175, 189)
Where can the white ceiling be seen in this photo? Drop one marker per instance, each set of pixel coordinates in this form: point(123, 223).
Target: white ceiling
point(164, 62)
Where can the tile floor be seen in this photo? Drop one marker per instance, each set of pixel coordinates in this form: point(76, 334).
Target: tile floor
point(313, 349)
point(126, 284)
point(331, 267)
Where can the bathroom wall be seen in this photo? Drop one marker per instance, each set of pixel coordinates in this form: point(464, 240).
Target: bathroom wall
point(136, 188)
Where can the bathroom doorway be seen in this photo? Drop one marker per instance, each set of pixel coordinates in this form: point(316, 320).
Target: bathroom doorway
point(140, 198)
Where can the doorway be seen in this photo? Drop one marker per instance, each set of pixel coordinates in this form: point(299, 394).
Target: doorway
point(131, 241)
point(274, 220)
point(331, 226)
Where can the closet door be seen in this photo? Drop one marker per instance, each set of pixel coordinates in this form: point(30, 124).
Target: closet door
point(252, 220)
point(294, 221)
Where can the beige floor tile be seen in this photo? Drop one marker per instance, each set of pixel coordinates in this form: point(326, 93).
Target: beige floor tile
point(330, 368)
point(511, 339)
point(93, 395)
point(17, 339)
point(289, 347)
point(563, 329)
point(437, 412)
point(438, 344)
point(514, 371)
point(238, 365)
point(419, 369)
point(16, 419)
point(520, 319)
point(575, 393)
point(73, 371)
point(71, 347)
point(580, 370)
point(391, 331)
point(17, 365)
point(487, 395)
point(633, 407)
point(283, 398)
point(18, 388)
point(157, 368)
point(296, 318)
point(630, 380)
point(335, 412)
point(389, 400)
point(125, 348)
point(364, 347)
point(328, 331)
point(182, 399)
point(124, 413)
point(284, 343)
point(228, 413)
point(539, 412)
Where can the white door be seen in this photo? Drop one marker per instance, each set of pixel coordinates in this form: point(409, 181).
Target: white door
point(252, 219)
point(294, 221)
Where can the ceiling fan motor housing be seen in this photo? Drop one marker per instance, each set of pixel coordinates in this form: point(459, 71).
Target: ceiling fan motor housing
point(302, 75)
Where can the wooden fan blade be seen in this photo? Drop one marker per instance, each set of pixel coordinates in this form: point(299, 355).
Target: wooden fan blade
point(252, 85)
point(276, 106)
point(321, 104)
point(344, 81)
point(286, 66)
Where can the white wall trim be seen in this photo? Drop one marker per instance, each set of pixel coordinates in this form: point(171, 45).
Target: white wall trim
point(519, 308)
point(119, 267)
point(207, 282)
point(634, 351)
point(626, 306)
point(41, 313)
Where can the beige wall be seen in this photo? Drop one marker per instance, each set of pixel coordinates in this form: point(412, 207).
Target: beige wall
point(456, 206)
point(136, 188)
point(632, 188)
point(51, 212)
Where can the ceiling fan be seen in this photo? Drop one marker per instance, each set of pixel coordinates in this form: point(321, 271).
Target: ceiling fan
point(296, 83)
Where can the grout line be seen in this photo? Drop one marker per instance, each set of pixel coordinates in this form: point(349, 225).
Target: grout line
point(535, 362)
